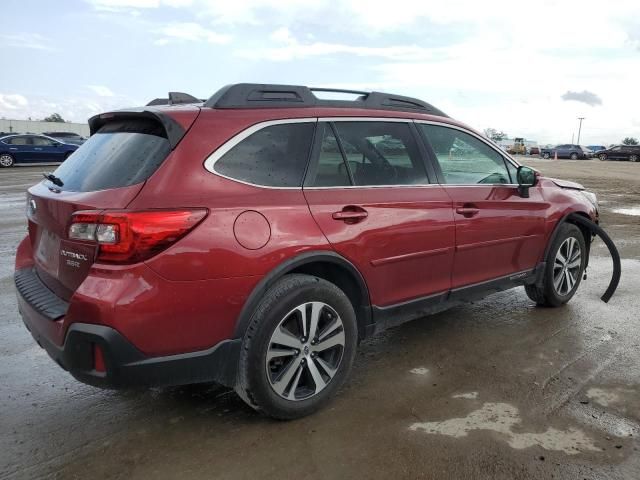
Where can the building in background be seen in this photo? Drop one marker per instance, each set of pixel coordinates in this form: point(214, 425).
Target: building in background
point(29, 126)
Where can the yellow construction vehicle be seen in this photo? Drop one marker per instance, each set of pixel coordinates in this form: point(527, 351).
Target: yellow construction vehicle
point(518, 147)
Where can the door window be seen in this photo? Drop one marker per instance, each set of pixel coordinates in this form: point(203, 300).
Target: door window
point(19, 141)
point(42, 142)
point(465, 160)
point(381, 153)
point(331, 169)
point(275, 156)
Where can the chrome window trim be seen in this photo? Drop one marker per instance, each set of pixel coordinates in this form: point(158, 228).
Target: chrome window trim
point(375, 186)
point(484, 140)
point(365, 119)
point(210, 161)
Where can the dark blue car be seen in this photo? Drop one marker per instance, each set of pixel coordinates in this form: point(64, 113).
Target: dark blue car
point(30, 149)
point(574, 152)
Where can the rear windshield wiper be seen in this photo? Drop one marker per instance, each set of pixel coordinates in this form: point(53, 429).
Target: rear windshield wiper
point(53, 179)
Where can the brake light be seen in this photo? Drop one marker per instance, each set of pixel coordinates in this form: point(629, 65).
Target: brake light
point(130, 237)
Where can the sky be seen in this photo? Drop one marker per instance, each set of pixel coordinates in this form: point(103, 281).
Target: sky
point(528, 68)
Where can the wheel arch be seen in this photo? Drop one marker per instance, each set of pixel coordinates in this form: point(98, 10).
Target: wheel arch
point(327, 265)
point(566, 218)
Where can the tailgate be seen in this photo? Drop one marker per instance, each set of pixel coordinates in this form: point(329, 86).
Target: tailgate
point(60, 263)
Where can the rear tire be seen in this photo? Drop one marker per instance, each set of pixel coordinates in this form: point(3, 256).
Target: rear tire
point(564, 268)
point(574, 156)
point(298, 377)
point(6, 160)
point(546, 155)
point(633, 158)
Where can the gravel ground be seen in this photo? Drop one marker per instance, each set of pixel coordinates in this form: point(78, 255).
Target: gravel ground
point(494, 389)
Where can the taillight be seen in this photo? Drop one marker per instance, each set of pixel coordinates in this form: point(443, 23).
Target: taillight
point(129, 236)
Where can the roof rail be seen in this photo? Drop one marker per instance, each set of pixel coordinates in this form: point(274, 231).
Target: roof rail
point(175, 98)
point(255, 95)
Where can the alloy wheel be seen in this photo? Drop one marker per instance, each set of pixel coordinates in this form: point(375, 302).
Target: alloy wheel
point(602, 157)
point(6, 160)
point(566, 266)
point(305, 351)
point(633, 158)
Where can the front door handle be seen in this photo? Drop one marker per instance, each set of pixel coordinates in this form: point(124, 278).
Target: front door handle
point(350, 214)
point(468, 212)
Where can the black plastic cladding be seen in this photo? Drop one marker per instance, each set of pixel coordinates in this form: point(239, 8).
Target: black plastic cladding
point(255, 95)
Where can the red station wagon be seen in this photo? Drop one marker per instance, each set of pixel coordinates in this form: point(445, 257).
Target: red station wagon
point(255, 238)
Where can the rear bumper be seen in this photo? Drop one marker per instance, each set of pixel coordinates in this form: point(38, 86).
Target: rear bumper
point(126, 366)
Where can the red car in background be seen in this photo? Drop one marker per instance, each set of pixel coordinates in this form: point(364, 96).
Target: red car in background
point(255, 238)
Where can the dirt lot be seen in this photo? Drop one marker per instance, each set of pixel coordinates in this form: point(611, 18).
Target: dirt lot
point(494, 389)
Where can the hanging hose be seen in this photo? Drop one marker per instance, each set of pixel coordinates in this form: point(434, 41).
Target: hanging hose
point(615, 256)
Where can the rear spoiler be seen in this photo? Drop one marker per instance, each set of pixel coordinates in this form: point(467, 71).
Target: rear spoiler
point(175, 98)
point(173, 129)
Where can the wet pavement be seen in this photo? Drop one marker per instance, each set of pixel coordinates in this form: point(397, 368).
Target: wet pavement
point(494, 389)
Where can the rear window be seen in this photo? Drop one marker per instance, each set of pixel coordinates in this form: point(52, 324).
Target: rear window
point(275, 156)
point(120, 154)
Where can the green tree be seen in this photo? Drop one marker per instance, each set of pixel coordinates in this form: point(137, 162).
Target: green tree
point(630, 141)
point(54, 117)
point(494, 134)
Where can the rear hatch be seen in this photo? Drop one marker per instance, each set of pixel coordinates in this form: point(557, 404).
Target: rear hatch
point(106, 172)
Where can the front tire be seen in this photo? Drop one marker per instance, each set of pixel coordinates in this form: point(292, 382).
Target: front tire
point(602, 157)
point(564, 268)
point(6, 160)
point(546, 155)
point(298, 349)
point(633, 158)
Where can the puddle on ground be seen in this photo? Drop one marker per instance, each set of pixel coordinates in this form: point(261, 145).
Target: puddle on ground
point(635, 211)
point(609, 397)
point(468, 396)
point(419, 371)
point(502, 418)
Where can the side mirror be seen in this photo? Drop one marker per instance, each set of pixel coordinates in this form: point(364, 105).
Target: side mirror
point(527, 178)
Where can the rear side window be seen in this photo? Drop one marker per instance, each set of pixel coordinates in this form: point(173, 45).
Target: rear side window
point(120, 154)
point(275, 156)
point(19, 141)
point(381, 153)
point(331, 170)
point(42, 142)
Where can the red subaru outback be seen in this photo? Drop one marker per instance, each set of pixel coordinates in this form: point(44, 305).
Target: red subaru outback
point(255, 238)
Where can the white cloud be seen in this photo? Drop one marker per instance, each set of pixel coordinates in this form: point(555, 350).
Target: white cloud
point(287, 48)
point(114, 5)
point(34, 41)
point(74, 109)
point(489, 63)
point(101, 90)
point(190, 32)
point(12, 102)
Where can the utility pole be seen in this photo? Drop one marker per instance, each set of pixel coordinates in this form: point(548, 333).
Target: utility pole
point(580, 128)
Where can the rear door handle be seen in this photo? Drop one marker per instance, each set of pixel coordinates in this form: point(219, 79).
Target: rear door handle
point(350, 214)
point(467, 211)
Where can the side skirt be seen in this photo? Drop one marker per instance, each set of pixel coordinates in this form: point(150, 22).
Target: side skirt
point(394, 315)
